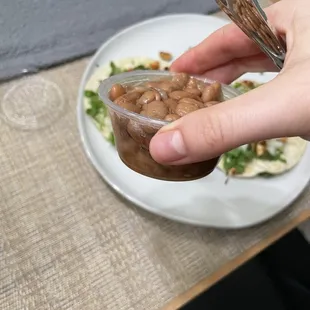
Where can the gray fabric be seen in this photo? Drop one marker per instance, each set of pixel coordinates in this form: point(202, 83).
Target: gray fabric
point(40, 33)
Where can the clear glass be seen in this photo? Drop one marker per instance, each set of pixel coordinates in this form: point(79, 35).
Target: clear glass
point(133, 132)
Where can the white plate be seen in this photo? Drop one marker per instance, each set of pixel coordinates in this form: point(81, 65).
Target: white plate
point(208, 201)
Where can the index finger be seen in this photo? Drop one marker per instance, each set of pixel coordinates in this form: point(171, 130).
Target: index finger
point(224, 45)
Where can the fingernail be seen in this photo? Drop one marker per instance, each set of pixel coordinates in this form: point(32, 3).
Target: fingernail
point(169, 127)
point(169, 146)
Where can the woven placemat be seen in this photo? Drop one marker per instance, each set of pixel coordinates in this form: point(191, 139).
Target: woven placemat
point(68, 242)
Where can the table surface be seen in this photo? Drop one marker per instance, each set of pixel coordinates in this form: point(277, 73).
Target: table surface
point(68, 242)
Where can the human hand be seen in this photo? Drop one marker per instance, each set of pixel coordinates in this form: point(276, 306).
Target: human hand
point(277, 109)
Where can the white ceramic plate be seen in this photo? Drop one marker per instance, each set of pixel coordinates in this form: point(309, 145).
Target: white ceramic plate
point(205, 202)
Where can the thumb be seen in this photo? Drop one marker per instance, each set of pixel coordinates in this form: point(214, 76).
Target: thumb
point(264, 113)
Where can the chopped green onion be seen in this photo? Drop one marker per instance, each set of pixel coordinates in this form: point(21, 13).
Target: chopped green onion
point(273, 157)
point(245, 86)
point(96, 105)
point(237, 159)
point(111, 139)
point(237, 85)
point(89, 93)
point(114, 69)
point(140, 67)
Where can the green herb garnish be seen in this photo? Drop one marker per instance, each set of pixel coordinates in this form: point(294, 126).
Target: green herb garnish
point(111, 139)
point(90, 93)
point(236, 85)
point(97, 109)
point(245, 86)
point(236, 160)
point(114, 69)
point(95, 106)
point(273, 157)
point(141, 67)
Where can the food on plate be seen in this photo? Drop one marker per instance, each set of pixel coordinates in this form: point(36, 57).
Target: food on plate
point(167, 97)
point(94, 107)
point(139, 109)
point(245, 85)
point(165, 56)
point(264, 158)
point(244, 161)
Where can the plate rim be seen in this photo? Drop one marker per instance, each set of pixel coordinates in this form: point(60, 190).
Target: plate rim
point(92, 158)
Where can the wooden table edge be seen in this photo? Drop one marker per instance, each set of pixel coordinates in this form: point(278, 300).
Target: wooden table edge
point(227, 268)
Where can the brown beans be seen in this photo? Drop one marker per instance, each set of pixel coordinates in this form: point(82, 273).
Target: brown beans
point(165, 56)
point(168, 86)
point(116, 91)
point(185, 108)
point(140, 89)
point(191, 101)
point(157, 99)
point(156, 109)
point(171, 117)
point(160, 94)
point(131, 96)
point(152, 84)
point(168, 100)
point(138, 134)
point(129, 106)
point(171, 104)
point(201, 85)
point(212, 92)
point(210, 104)
point(155, 65)
point(181, 79)
point(179, 94)
point(192, 83)
point(193, 91)
point(147, 97)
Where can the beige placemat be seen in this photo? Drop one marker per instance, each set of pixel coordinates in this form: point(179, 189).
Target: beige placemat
point(68, 242)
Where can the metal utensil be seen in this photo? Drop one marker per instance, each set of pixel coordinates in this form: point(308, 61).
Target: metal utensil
point(252, 20)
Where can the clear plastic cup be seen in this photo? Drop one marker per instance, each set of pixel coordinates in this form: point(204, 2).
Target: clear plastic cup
point(133, 132)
